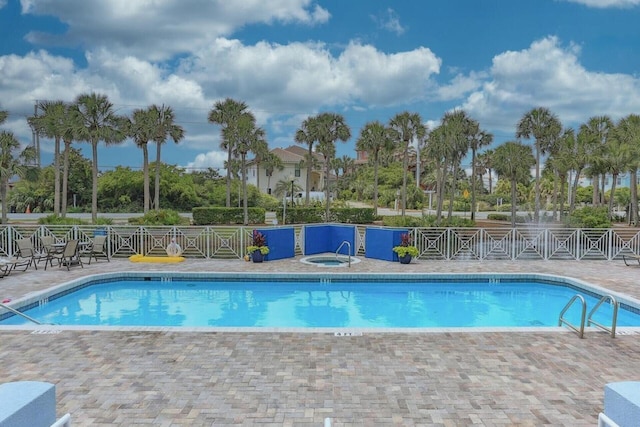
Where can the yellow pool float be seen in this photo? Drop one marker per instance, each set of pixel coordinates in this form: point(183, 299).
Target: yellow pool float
point(160, 259)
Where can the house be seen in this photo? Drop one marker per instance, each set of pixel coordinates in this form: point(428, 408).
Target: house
point(294, 171)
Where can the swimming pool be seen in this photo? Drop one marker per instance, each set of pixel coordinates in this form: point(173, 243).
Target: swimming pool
point(316, 301)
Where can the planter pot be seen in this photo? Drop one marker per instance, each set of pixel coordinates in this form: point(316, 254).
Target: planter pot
point(257, 256)
point(406, 259)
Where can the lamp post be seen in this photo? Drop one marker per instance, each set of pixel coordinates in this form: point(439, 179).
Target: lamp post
point(292, 180)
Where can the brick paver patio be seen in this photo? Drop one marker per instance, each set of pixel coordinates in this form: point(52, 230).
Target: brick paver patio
point(177, 378)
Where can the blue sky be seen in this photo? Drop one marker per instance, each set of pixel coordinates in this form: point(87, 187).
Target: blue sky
point(288, 59)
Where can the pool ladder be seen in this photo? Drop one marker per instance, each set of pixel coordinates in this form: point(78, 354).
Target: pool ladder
point(344, 242)
point(580, 329)
point(19, 313)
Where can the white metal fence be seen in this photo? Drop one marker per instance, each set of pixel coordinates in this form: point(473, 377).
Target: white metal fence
point(433, 243)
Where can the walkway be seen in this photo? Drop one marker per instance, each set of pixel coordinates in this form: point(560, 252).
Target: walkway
point(171, 378)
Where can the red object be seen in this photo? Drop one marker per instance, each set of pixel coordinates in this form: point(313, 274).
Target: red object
point(4, 301)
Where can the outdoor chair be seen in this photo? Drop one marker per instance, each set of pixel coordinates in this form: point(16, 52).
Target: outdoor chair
point(50, 248)
point(69, 256)
point(97, 249)
point(26, 251)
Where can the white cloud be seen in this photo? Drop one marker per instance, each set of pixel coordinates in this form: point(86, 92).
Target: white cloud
point(211, 159)
point(550, 75)
point(159, 29)
point(389, 21)
point(307, 76)
point(603, 4)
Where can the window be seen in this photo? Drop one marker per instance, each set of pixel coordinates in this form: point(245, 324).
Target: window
point(297, 173)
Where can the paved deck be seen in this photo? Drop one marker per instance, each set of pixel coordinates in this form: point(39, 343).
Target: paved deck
point(169, 378)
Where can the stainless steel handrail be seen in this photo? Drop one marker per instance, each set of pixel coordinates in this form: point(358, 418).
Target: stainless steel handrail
point(344, 242)
point(18, 313)
point(614, 320)
point(562, 320)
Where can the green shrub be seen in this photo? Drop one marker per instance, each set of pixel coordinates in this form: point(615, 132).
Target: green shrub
point(217, 215)
point(589, 217)
point(161, 217)
point(498, 217)
point(58, 220)
point(352, 215)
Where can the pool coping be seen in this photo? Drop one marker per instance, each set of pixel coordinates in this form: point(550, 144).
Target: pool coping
point(40, 297)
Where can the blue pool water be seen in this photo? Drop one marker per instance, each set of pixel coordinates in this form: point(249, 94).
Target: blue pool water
point(310, 303)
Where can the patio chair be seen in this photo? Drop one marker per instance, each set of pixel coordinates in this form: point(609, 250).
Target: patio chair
point(69, 256)
point(26, 251)
point(50, 248)
point(97, 249)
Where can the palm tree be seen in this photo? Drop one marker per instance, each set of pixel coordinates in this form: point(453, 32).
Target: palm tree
point(458, 131)
point(3, 116)
point(374, 138)
point(165, 129)
point(541, 124)
point(596, 133)
point(71, 128)
point(271, 162)
point(12, 165)
point(513, 160)
point(628, 131)
point(142, 128)
point(99, 123)
point(406, 127)
point(306, 135)
point(226, 113)
point(620, 158)
point(478, 140)
point(561, 161)
point(330, 127)
point(50, 125)
point(249, 138)
point(485, 165)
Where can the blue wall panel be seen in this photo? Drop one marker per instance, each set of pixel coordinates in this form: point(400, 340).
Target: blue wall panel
point(320, 239)
point(379, 243)
point(317, 239)
point(281, 242)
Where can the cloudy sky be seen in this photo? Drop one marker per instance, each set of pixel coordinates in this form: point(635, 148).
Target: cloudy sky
point(288, 59)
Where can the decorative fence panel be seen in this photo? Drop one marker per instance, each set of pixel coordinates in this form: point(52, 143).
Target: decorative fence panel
point(228, 242)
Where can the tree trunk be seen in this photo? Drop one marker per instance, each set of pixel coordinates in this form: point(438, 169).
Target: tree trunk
point(56, 177)
point(3, 195)
point(443, 189)
point(554, 198)
point(145, 174)
point(473, 184)
point(633, 185)
point(229, 176)
point(94, 186)
point(536, 213)
point(156, 189)
point(563, 181)
point(326, 186)
point(614, 178)
point(375, 184)
point(245, 207)
point(405, 166)
point(514, 202)
point(309, 164)
point(65, 178)
point(453, 192)
point(574, 189)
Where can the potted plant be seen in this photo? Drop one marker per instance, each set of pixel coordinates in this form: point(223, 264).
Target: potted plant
point(405, 249)
point(258, 248)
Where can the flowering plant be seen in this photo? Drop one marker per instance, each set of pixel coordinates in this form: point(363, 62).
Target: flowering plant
point(405, 247)
point(259, 243)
